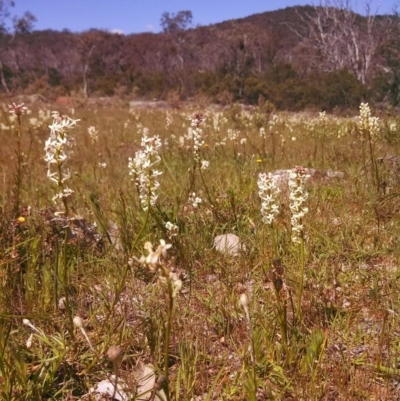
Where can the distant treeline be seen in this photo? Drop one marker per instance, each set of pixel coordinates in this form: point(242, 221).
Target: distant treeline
point(296, 58)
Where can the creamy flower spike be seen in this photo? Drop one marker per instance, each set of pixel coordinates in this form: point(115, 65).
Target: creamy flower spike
point(142, 169)
point(172, 229)
point(93, 134)
point(297, 197)
point(268, 192)
point(56, 148)
point(195, 200)
point(153, 258)
point(205, 164)
point(169, 120)
point(368, 125)
point(197, 135)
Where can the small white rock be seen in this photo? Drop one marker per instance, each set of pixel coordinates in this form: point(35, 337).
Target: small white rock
point(228, 243)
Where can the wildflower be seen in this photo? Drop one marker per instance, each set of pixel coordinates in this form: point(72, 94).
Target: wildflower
point(205, 164)
point(169, 121)
point(172, 229)
point(259, 161)
point(35, 122)
point(297, 197)
point(273, 122)
point(365, 114)
point(374, 128)
point(163, 247)
point(216, 122)
point(323, 119)
point(197, 135)
point(93, 134)
point(142, 169)
point(103, 165)
point(176, 286)
point(243, 141)
point(368, 125)
point(21, 219)
point(57, 154)
point(262, 132)
point(233, 135)
point(195, 200)
point(268, 192)
point(17, 109)
point(152, 260)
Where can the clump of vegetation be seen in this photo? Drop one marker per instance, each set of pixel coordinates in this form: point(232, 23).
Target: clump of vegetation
point(306, 306)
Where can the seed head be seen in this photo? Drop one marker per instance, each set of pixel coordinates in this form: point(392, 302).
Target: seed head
point(78, 322)
point(114, 353)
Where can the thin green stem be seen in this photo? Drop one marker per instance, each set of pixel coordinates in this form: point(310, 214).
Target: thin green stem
point(19, 172)
point(126, 269)
point(281, 318)
point(168, 330)
point(274, 242)
point(302, 268)
point(214, 210)
point(65, 282)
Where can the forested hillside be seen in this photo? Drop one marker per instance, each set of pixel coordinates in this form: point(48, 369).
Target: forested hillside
point(299, 57)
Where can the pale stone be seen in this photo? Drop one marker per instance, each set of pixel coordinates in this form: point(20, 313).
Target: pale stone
point(228, 243)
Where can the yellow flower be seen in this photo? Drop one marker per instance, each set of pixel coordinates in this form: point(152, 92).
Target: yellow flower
point(21, 219)
point(259, 160)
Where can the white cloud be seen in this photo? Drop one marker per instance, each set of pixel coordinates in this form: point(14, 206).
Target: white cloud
point(117, 31)
point(150, 27)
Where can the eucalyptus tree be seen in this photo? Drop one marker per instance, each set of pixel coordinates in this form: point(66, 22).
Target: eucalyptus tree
point(11, 25)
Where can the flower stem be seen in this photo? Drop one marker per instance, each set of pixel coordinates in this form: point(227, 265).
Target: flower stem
point(302, 268)
point(168, 331)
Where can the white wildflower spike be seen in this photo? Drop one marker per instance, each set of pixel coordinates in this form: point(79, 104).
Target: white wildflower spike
point(268, 192)
point(233, 135)
point(169, 121)
point(93, 134)
point(368, 125)
point(297, 197)
point(142, 169)
point(205, 164)
point(152, 260)
point(365, 114)
point(197, 135)
point(57, 153)
point(195, 200)
point(172, 229)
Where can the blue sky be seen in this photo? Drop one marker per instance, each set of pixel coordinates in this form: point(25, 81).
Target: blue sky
point(133, 16)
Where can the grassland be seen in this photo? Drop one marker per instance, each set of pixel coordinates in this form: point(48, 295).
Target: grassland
point(316, 319)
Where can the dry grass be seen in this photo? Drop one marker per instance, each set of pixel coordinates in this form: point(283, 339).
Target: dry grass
point(343, 346)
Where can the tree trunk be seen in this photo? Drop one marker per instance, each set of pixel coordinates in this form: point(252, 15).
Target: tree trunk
point(2, 78)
